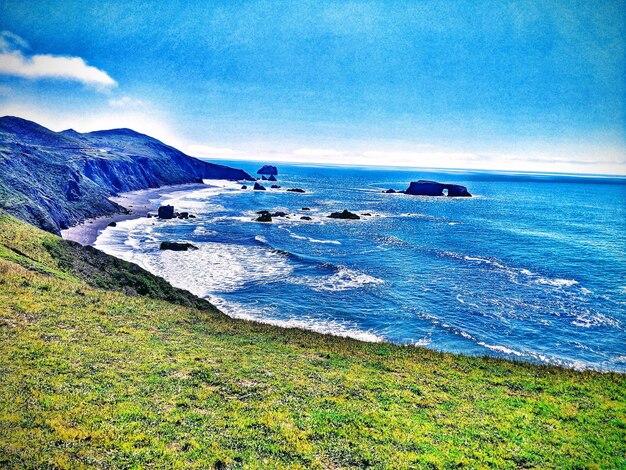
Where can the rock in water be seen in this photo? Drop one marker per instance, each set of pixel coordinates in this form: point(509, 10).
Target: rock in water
point(271, 178)
point(305, 217)
point(275, 186)
point(166, 212)
point(264, 178)
point(244, 187)
point(258, 187)
point(346, 214)
point(176, 246)
point(390, 191)
point(296, 190)
point(112, 224)
point(268, 170)
point(183, 215)
point(433, 188)
point(264, 217)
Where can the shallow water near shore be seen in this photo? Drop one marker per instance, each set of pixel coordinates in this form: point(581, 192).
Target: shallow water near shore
point(531, 268)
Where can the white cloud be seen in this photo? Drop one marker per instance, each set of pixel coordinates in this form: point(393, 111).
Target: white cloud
point(14, 62)
point(126, 102)
point(307, 152)
point(206, 151)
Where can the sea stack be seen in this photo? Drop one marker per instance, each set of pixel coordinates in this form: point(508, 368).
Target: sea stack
point(433, 188)
point(268, 170)
point(166, 212)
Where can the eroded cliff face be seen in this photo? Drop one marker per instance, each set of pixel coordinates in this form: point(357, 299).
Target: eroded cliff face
point(56, 179)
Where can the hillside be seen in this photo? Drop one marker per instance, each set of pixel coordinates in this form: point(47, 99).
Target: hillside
point(103, 364)
point(56, 179)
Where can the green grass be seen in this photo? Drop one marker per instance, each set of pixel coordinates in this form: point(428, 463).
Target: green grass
point(93, 373)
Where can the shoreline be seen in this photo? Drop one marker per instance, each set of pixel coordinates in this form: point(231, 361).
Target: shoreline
point(139, 203)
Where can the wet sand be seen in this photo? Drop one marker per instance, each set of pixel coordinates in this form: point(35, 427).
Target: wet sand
point(139, 203)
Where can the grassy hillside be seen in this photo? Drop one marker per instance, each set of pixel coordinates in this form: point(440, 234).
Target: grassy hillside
point(95, 373)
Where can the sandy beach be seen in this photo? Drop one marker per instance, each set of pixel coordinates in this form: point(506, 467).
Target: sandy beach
point(139, 203)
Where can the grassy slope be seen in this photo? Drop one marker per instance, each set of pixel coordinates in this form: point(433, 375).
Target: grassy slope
point(90, 376)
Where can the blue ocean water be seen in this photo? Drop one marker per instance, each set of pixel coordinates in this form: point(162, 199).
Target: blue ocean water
point(532, 268)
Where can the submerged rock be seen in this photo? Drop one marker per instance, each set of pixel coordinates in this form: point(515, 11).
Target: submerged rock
point(166, 212)
point(279, 214)
point(258, 187)
point(176, 246)
point(305, 217)
point(296, 190)
point(112, 224)
point(306, 209)
point(183, 215)
point(433, 188)
point(346, 214)
point(267, 170)
point(275, 186)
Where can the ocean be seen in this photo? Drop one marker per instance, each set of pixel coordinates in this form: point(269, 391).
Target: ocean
point(533, 267)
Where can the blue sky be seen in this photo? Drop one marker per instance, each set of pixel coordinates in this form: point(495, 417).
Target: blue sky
point(533, 85)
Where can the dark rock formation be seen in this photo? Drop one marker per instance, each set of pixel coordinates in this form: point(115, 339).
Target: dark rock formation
point(296, 190)
point(77, 173)
point(305, 217)
point(366, 214)
point(244, 187)
point(346, 214)
point(264, 178)
point(166, 212)
point(176, 246)
point(268, 170)
point(191, 216)
point(279, 214)
point(433, 188)
point(390, 191)
point(183, 215)
point(112, 224)
point(258, 187)
point(275, 186)
point(271, 178)
point(306, 209)
point(264, 216)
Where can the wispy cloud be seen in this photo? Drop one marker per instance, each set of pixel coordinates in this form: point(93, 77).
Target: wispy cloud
point(307, 152)
point(14, 62)
point(126, 102)
point(208, 151)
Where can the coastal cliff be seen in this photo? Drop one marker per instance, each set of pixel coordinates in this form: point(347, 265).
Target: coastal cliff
point(56, 179)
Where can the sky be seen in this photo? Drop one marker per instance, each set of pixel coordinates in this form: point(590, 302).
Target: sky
point(507, 85)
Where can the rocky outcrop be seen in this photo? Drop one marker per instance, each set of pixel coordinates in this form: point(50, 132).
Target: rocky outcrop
point(268, 170)
point(275, 186)
point(264, 178)
point(57, 179)
point(296, 190)
point(305, 217)
point(258, 187)
point(390, 191)
point(166, 212)
point(271, 178)
point(244, 187)
point(433, 188)
point(264, 216)
point(176, 246)
point(346, 214)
